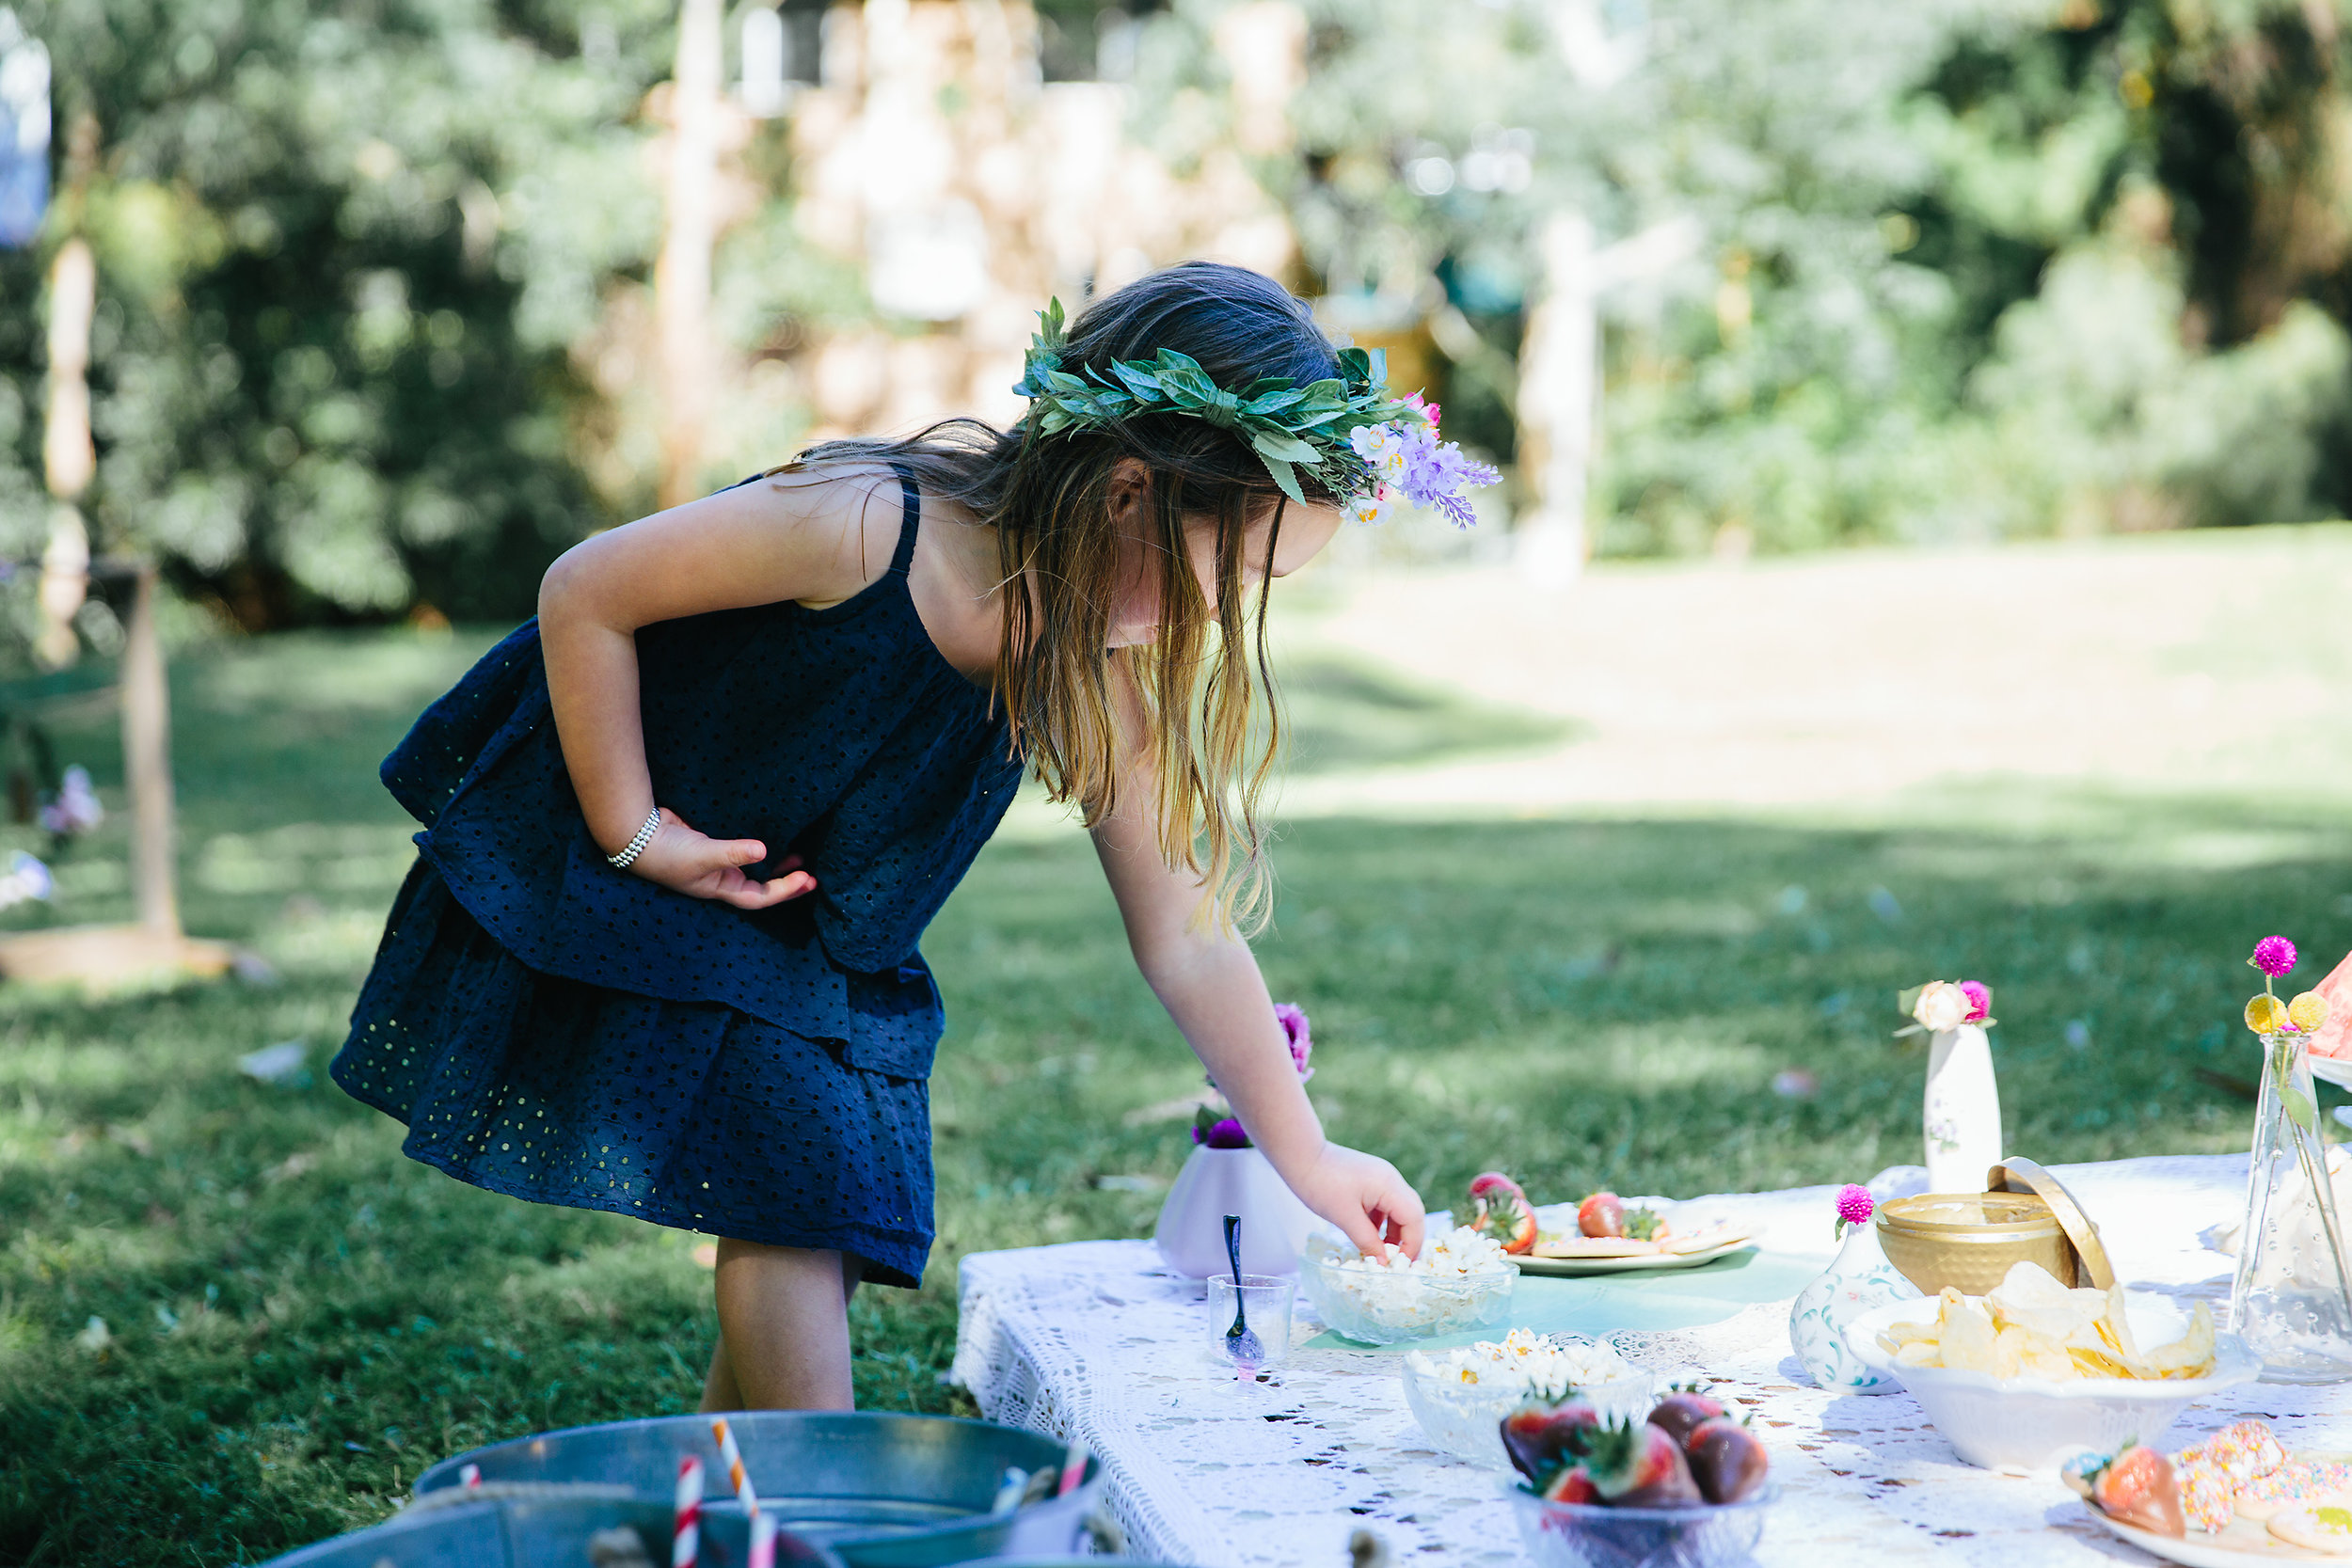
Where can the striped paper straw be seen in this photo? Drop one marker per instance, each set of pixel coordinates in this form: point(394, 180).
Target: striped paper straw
point(685, 1540)
point(763, 1541)
point(469, 1475)
point(1073, 1470)
point(731, 1457)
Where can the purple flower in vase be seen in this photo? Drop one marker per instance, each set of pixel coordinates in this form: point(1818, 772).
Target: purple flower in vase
point(1223, 1133)
point(2274, 955)
point(1293, 1018)
point(1853, 1206)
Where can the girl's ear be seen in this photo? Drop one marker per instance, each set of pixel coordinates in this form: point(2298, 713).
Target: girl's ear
point(1130, 490)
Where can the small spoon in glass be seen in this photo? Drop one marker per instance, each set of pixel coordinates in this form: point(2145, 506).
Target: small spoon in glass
point(1239, 1344)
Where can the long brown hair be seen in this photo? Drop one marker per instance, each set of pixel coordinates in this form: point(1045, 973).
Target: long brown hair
point(1198, 688)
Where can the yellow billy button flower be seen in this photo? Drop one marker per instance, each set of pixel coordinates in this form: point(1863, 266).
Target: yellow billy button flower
point(2308, 1011)
point(2266, 1014)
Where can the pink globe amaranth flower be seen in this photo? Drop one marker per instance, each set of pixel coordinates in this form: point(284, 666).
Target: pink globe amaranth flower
point(1979, 1000)
point(1293, 1021)
point(1855, 1204)
point(2274, 955)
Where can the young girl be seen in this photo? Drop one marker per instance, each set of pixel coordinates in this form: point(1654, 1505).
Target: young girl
point(683, 833)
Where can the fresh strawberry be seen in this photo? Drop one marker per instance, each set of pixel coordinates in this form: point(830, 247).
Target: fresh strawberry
point(1500, 1210)
point(1541, 1434)
point(1725, 1460)
point(1572, 1486)
point(1639, 1467)
point(2140, 1488)
point(1681, 1411)
point(1602, 1215)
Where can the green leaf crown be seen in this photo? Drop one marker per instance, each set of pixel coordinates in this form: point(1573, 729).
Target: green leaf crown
point(1290, 427)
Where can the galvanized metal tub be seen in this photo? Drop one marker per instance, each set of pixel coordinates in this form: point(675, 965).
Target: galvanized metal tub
point(551, 1532)
point(882, 1491)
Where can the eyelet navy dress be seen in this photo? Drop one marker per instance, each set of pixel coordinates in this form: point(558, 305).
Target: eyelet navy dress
point(556, 1030)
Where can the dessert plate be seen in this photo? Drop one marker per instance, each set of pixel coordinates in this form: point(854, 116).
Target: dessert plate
point(2244, 1545)
point(1640, 1262)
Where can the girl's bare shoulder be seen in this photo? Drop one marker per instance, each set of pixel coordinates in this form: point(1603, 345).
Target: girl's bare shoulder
point(815, 535)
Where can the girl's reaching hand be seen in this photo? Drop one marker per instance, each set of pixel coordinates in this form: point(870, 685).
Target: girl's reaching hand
point(1363, 1196)
point(684, 861)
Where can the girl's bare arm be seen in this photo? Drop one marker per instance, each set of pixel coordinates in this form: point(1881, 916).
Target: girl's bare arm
point(790, 537)
point(1209, 982)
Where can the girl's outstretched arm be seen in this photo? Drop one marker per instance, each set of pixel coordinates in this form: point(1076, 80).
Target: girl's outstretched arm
point(1209, 982)
point(787, 537)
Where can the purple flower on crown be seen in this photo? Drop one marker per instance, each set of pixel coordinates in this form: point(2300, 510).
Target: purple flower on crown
point(2274, 955)
point(1293, 1021)
point(1405, 456)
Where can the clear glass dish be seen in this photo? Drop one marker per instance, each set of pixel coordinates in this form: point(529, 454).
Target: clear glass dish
point(1380, 1309)
point(1582, 1535)
point(1464, 1419)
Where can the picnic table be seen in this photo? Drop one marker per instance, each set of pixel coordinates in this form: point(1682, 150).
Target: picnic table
point(1095, 1340)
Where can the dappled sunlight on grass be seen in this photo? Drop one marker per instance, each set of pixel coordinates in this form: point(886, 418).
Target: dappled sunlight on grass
point(299, 1319)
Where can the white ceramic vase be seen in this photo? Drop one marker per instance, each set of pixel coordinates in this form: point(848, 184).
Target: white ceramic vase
point(1962, 1117)
point(1215, 1183)
point(1856, 1280)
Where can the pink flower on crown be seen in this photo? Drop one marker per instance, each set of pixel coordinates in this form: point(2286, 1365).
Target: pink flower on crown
point(1293, 1021)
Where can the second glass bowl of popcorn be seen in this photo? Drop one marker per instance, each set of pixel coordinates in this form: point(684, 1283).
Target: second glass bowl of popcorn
point(1462, 1282)
point(1460, 1396)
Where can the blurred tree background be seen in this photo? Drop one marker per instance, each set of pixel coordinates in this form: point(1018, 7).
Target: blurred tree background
point(372, 271)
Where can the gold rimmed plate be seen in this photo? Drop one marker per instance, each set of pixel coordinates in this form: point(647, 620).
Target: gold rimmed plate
point(1641, 1262)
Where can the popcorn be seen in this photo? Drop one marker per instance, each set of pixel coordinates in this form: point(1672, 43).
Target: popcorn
point(1525, 1359)
point(1457, 1281)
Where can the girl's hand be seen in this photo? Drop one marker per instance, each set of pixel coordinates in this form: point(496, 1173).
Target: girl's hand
point(1363, 1196)
point(686, 862)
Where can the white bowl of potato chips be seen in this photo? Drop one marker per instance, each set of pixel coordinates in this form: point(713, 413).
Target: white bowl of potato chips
point(2017, 1377)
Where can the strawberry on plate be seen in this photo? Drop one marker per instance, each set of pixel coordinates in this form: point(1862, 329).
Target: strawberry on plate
point(1500, 1208)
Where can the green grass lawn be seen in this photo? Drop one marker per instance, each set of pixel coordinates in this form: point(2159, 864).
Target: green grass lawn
point(298, 1319)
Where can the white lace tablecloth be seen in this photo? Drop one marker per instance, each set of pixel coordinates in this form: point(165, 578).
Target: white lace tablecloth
point(1091, 1340)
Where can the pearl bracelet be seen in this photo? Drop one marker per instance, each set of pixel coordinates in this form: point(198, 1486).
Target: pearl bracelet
point(628, 857)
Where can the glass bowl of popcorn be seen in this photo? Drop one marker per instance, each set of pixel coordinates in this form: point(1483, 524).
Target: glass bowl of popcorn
point(1460, 1396)
point(1461, 1281)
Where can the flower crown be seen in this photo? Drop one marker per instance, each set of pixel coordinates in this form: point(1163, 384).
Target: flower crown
point(1351, 437)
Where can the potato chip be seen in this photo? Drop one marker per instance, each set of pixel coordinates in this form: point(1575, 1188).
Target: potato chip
point(2030, 1325)
point(1967, 1335)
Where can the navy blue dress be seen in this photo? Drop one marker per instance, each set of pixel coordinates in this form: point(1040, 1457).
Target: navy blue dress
point(556, 1030)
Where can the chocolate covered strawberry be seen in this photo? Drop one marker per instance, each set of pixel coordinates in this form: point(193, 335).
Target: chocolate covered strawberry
point(1638, 1465)
point(2138, 1487)
point(1725, 1460)
point(1498, 1209)
point(1572, 1486)
point(1541, 1436)
point(1602, 1215)
point(1681, 1411)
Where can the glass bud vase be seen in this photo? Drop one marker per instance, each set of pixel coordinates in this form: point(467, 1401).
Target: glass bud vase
point(2292, 1299)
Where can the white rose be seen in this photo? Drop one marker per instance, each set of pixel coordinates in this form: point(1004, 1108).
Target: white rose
point(1942, 1005)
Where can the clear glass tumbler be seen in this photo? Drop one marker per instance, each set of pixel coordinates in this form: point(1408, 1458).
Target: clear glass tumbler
point(1263, 1302)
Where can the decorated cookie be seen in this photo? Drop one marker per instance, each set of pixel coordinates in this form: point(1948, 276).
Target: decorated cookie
point(2293, 1485)
point(2213, 1472)
point(2327, 1528)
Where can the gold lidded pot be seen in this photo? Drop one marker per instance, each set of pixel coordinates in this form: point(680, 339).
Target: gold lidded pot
point(1970, 1240)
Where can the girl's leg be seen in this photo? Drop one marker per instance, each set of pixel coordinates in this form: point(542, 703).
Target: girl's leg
point(783, 1329)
